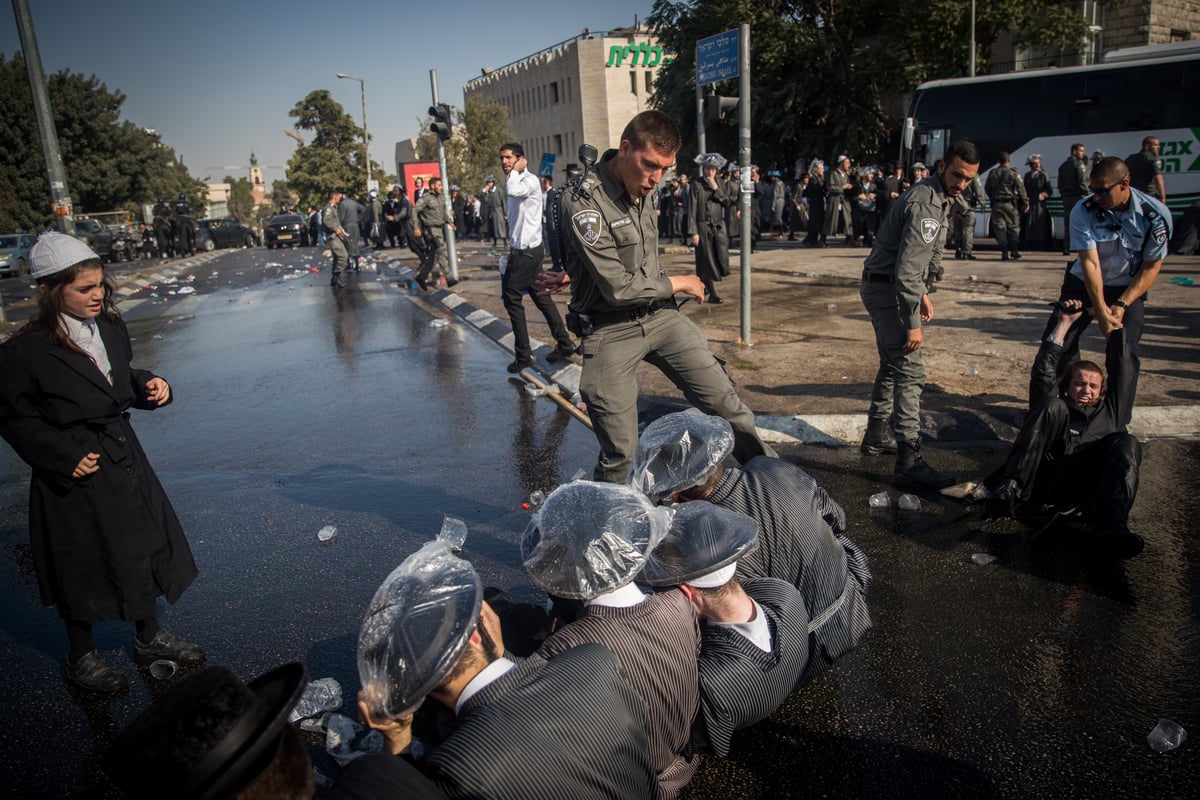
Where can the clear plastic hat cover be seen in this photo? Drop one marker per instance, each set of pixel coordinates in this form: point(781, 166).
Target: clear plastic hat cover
point(712, 160)
point(416, 628)
point(678, 451)
point(702, 538)
point(591, 538)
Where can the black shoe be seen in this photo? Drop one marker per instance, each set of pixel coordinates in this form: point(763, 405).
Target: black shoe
point(712, 298)
point(970, 257)
point(451, 282)
point(166, 645)
point(421, 282)
point(93, 673)
point(337, 283)
point(1122, 542)
point(958, 254)
point(520, 364)
point(1004, 256)
point(560, 354)
point(1016, 256)
point(877, 439)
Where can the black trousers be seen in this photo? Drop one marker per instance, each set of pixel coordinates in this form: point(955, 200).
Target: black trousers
point(518, 278)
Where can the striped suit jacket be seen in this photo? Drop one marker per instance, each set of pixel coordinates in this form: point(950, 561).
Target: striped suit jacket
point(569, 727)
point(741, 684)
point(802, 541)
point(657, 643)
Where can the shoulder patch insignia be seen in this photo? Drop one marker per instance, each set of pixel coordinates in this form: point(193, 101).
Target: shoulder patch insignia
point(587, 226)
point(929, 229)
point(1160, 232)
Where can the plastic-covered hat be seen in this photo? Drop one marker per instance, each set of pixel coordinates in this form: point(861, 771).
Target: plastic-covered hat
point(920, 165)
point(712, 160)
point(54, 252)
point(416, 628)
point(591, 538)
point(678, 451)
point(702, 539)
point(774, 173)
point(1033, 158)
point(490, 179)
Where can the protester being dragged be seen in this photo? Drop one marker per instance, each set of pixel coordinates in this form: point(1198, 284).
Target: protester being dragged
point(566, 725)
point(587, 543)
point(1074, 458)
point(801, 528)
point(106, 542)
point(754, 635)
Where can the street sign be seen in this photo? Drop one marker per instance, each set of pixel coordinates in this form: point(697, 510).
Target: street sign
point(717, 57)
point(547, 167)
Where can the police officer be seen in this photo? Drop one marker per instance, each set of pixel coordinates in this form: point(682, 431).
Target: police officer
point(430, 212)
point(1120, 236)
point(1006, 192)
point(162, 230)
point(962, 216)
point(894, 291)
point(185, 225)
point(1073, 187)
point(335, 235)
point(1145, 170)
point(622, 302)
point(837, 183)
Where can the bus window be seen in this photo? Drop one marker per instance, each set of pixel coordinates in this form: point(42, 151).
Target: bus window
point(931, 145)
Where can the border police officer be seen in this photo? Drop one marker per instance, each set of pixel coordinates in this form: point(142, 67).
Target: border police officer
point(430, 212)
point(1006, 192)
point(894, 291)
point(1145, 170)
point(623, 304)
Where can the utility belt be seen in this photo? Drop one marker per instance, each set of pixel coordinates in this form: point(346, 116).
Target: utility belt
point(586, 324)
point(877, 277)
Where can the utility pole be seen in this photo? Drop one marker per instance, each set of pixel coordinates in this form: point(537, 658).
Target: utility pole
point(747, 184)
point(362, 85)
point(60, 199)
point(448, 232)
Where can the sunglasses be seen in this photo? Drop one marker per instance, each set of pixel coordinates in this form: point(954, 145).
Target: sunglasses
point(1105, 191)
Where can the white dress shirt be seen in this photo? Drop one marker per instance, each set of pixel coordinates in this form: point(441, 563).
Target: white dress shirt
point(756, 630)
point(524, 210)
point(84, 333)
point(485, 676)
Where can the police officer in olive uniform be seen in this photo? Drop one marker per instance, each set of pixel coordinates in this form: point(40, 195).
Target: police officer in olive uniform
point(895, 293)
point(1073, 187)
point(1006, 191)
point(430, 212)
point(335, 235)
point(962, 217)
point(185, 225)
point(623, 303)
point(1145, 170)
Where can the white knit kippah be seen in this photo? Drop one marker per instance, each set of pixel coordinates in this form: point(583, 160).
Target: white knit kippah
point(714, 579)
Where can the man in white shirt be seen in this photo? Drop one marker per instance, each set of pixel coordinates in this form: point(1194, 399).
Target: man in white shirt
point(525, 260)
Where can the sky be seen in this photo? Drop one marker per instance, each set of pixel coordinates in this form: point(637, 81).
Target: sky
point(217, 78)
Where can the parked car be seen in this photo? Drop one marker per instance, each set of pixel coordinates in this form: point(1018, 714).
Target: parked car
point(212, 234)
point(92, 233)
point(286, 229)
point(14, 253)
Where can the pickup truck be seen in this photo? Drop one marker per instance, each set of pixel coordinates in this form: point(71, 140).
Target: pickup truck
point(95, 236)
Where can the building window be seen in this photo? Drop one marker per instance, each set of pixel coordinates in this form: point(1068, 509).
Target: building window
point(554, 92)
point(558, 143)
point(1179, 36)
point(649, 82)
point(633, 82)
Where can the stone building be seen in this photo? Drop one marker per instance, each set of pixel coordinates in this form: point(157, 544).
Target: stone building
point(582, 90)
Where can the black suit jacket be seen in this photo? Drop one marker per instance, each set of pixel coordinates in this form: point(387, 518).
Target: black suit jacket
point(566, 727)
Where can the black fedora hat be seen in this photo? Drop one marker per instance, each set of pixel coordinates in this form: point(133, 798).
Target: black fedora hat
point(207, 738)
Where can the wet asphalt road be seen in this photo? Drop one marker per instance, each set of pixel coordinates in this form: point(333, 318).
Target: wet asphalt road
point(1038, 675)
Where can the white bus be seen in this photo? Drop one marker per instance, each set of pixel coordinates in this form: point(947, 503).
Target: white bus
point(1110, 106)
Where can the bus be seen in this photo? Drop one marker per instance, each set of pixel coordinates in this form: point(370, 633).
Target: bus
point(1110, 106)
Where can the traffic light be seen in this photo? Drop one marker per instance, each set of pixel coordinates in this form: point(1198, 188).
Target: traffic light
point(716, 107)
point(441, 121)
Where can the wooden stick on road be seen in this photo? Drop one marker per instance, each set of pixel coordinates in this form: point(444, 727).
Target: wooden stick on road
point(557, 397)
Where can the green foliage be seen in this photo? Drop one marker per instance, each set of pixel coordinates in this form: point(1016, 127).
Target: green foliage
point(823, 71)
point(111, 165)
point(334, 156)
point(474, 151)
point(241, 199)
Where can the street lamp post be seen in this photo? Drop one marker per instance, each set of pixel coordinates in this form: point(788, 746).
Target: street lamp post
point(362, 85)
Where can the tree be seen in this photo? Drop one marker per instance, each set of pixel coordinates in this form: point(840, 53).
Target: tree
point(241, 199)
point(473, 152)
point(111, 164)
point(333, 158)
point(282, 195)
point(823, 69)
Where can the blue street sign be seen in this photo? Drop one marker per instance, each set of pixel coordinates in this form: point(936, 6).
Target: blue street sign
point(547, 167)
point(717, 57)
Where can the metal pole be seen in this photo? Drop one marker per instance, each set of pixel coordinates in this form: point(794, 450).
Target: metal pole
point(366, 137)
point(59, 197)
point(747, 188)
point(448, 232)
point(972, 38)
point(700, 143)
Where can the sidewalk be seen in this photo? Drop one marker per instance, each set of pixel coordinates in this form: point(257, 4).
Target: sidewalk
point(810, 365)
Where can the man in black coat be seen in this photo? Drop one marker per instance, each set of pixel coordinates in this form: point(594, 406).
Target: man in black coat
point(1073, 187)
point(1073, 456)
point(350, 215)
